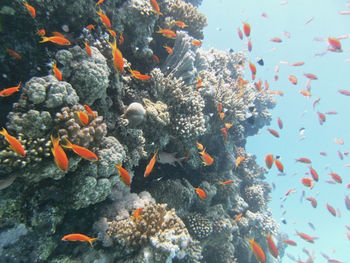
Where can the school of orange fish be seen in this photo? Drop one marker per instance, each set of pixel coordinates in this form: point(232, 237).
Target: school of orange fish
point(61, 159)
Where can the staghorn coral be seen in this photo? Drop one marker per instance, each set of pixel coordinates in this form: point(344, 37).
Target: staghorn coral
point(157, 232)
point(70, 127)
point(189, 14)
point(88, 75)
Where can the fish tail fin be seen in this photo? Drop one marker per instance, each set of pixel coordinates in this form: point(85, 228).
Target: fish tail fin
point(4, 132)
point(68, 143)
point(55, 141)
point(91, 240)
point(19, 85)
point(118, 165)
point(114, 44)
point(44, 39)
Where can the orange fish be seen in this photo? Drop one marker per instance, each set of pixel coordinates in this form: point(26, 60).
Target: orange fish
point(249, 45)
point(279, 165)
point(56, 40)
point(199, 146)
point(266, 84)
point(137, 213)
point(156, 58)
point(312, 201)
point(297, 64)
point(321, 118)
point(150, 165)
point(199, 83)
point(228, 125)
point(112, 32)
point(313, 173)
point(269, 160)
point(118, 61)
point(78, 237)
point(88, 49)
point(252, 69)
point(257, 250)
point(83, 117)
point(89, 110)
point(339, 141)
point(238, 217)
point(15, 145)
point(56, 72)
point(121, 39)
point(31, 9)
point(224, 134)
point(167, 33)
point(99, 2)
point(303, 160)
point(306, 237)
point(138, 75)
point(104, 18)
point(331, 210)
point(293, 79)
point(308, 182)
point(125, 176)
point(219, 107)
point(9, 91)
point(276, 40)
point(272, 246)
point(197, 43)
point(336, 178)
point(168, 49)
point(180, 24)
point(222, 115)
point(206, 158)
point(90, 27)
point(273, 132)
point(246, 29)
point(155, 6)
point(305, 93)
point(280, 123)
point(200, 192)
point(226, 182)
point(334, 43)
point(290, 242)
point(58, 34)
point(239, 160)
point(240, 34)
point(81, 151)
point(13, 53)
point(41, 32)
point(310, 76)
point(59, 155)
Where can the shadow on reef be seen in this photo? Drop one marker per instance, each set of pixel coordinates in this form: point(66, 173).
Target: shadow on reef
point(187, 107)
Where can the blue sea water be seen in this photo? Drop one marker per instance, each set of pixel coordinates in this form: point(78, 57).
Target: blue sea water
point(296, 111)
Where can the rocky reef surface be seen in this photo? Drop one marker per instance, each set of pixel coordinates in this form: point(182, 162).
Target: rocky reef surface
point(191, 96)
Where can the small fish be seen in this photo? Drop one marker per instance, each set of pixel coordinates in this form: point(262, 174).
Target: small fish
point(112, 32)
point(121, 39)
point(90, 27)
point(226, 182)
point(200, 147)
point(9, 91)
point(308, 182)
point(224, 134)
point(280, 123)
point(246, 29)
point(252, 69)
point(150, 165)
point(125, 176)
point(56, 40)
point(139, 76)
point(321, 117)
point(41, 32)
point(311, 225)
point(289, 242)
point(59, 155)
point(239, 160)
point(269, 160)
point(312, 201)
point(99, 2)
point(344, 92)
point(81, 151)
point(305, 93)
point(83, 117)
point(336, 178)
point(180, 24)
point(222, 115)
point(293, 79)
point(303, 160)
point(249, 45)
point(156, 58)
point(89, 110)
point(238, 217)
point(334, 43)
point(14, 53)
point(199, 83)
point(200, 192)
point(347, 202)
point(297, 64)
point(260, 61)
point(88, 49)
point(273, 132)
point(197, 43)
point(118, 60)
point(168, 33)
point(137, 213)
point(339, 141)
point(206, 158)
point(287, 34)
point(15, 144)
point(168, 49)
point(331, 210)
point(155, 6)
point(306, 237)
point(313, 173)
point(315, 102)
point(279, 165)
point(31, 9)
point(310, 76)
point(257, 251)
point(104, 19)
point(309, 20)
point(276, 40)
point(78, 237)
point(57, 73)
point(240, 34)
point(332, 112)
point(272, 246)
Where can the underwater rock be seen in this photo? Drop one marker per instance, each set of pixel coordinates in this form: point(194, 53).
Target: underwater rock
point(135, 114)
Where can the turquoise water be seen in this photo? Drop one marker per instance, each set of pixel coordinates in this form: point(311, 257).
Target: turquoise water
point(295, 110)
